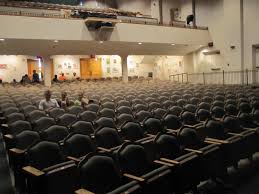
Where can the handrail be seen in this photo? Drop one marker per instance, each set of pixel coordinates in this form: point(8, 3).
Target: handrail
point(234, 77)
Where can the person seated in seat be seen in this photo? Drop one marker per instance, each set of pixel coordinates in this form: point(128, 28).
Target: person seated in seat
point(75, 77)
point(64, 102)
point(35, 77)
point(48, 103)
point(25, 79)
point(62, 77)
point(81, 101)
point(55, 79)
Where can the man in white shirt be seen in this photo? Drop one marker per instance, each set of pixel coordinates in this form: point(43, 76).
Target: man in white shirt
point(48, 103)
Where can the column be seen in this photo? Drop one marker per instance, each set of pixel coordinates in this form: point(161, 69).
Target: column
point(47, 71)
point(124, 67)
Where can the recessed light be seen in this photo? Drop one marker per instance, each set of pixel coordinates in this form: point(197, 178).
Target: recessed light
point(56, 41)
point(1, 39)
point(101, 42)
point(140, 43)
point(172, 44)
point(201, 45)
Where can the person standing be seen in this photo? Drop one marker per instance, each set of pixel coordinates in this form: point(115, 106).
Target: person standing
point(35, 77)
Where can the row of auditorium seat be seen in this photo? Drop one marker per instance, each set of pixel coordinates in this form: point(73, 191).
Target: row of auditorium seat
point(165, 153)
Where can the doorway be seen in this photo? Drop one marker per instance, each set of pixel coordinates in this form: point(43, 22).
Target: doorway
point(90, 68)
point(39, 67)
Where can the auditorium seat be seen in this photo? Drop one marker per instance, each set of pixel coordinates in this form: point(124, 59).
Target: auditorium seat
point(43, 123)
point(47, 171)
point(56, 112)
point(66, 119)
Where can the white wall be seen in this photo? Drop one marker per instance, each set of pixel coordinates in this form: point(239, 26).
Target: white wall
point(16, 67)
point(251, 30)
point(99, 4)
point(142, 6)
point(186, 9)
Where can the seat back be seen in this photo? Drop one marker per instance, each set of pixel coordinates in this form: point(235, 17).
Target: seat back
point(132, 131)
point(107, 137)
point(82, 127)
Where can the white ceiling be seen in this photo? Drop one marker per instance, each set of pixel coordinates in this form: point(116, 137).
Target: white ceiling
point(49, 47)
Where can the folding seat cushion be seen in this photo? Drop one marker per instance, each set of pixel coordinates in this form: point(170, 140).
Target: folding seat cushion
point(124, 109)
point(246, 120)
point(47, 171)
point(231, 109)
point(181, 102)
point(99, 174)
point(219, 98)
point(175, 110)
point(204, 105)
point(255, 105)
point(132, 131)
point(159, 113)
point(137, 101)
point(88, 116)
point(110, 105)
point(27, 109)
point(207, 99)
point(66, 119)
point(78, 145)
point(142, 115)
point(123, 103)
point(218, 104)
point(82, 127)
point(203, 114)
point(140, 107)
point(163, 98)
point(35, 115)
point(56, 112)
point(245, 107)
point(168, 103)
point(231, 101)
point(107, 137)
point(93, 107)
point(9, 111)
point(107, 112)
point(122, 118)
point(195, 101)
point(15, 117)
point(171, 122)
point(152, 125)
point(75, 110)
point(189, 118)
point(190, 107)
point(153, 105)
point(133, 160)
point(19, 126)
point(43, 123)
point(104, 122)
point(55, 133)
point(217, 112)
point(168, 148)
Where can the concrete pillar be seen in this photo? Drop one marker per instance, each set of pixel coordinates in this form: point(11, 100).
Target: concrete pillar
point(47, 71)
point(124, 67)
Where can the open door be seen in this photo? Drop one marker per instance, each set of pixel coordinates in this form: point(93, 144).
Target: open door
point(91, 68)
point(34, 65)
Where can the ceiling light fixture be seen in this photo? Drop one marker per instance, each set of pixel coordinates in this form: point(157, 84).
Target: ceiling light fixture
point(56, 41)
point(140, 43)
point(101, 42)
point(1, 39)
point(173, 44)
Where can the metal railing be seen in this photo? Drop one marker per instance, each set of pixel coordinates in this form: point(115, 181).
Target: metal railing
point(246, 77)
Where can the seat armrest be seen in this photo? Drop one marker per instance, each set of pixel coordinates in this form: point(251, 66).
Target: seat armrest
point(211, 142)
point(133, 177)
point(32, 171)
point(9, 136)
point(83, 191)
point(195, 151)
point(73, 158)
point(163, 163)
point(16, 151)
point(173, 130)
point(150, 135)
point(170, 161)
point(236, 134)
point(5, 125)
point(217, 140)
point(104, 149)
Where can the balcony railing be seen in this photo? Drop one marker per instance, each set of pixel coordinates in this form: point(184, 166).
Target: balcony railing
point(246, 77)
